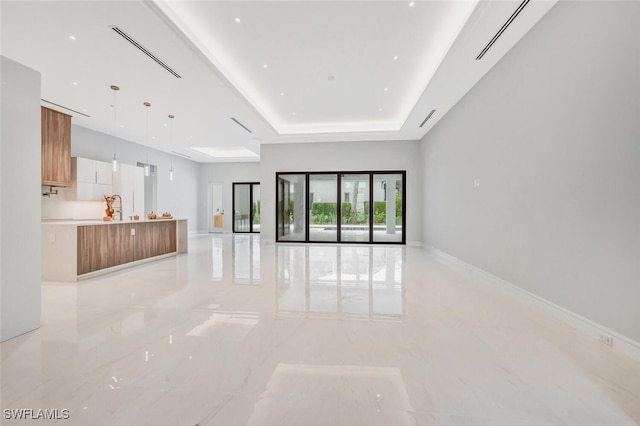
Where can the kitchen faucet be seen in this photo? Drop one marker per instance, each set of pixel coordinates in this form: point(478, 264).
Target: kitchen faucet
point(119, 208)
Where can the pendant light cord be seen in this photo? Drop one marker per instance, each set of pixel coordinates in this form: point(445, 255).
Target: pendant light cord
point(115, 127)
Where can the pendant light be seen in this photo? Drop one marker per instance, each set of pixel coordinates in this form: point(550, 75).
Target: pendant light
point(147, 168)
point(170, 146)
point(114, 163)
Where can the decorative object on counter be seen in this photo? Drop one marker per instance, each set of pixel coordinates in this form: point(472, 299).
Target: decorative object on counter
point(167, 215)
point(147, 168)
point(152, 215)
point(109, 210)
point(136, 217)
point(170, 147)
point(106, 219)
point(114, 163)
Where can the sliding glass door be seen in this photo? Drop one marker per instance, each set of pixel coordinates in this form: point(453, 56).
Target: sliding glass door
point(362, 207)
point(291, 217)
point(246, 207)
point(255, 206)
point(323, 209)
point(388, 211)
point(354, 192)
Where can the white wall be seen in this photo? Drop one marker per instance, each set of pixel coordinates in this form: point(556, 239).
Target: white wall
point(179, 197)
point(20, 195)
point(57, 207)
point(227, 174)
point(338, 157)
point(553, 134)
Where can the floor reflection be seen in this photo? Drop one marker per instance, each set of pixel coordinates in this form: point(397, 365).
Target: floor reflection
point(336, 394)
point(242, 255)
point(246, 260)
point(226, 325)
point(359, 282)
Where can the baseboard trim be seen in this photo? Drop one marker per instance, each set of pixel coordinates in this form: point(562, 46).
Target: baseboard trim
point(586, 326)
point(123, 266)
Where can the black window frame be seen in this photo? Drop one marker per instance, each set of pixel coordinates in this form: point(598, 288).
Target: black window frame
point(339, 175)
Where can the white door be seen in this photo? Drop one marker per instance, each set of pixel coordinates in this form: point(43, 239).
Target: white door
point(216, 212)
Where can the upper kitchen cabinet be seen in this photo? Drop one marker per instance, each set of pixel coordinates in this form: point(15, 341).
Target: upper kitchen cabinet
point(91, 180)
point(56, 148)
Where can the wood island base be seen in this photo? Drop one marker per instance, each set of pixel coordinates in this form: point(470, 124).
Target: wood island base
point(76, 250)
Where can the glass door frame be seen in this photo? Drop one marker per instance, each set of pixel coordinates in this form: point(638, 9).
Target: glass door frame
point(339, 175)
point(310, 203)
point(251, 210)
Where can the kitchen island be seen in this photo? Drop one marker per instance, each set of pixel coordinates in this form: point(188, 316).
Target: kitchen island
point(76, 250)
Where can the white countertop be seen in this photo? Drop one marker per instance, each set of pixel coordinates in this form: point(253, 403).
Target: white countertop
point(80, 222)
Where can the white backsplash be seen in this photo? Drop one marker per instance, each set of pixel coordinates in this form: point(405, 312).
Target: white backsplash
point(57, 207)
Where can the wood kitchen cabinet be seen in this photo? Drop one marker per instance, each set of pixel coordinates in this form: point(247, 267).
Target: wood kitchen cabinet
point(155, 239)
point(56, 148)
point(104, 246)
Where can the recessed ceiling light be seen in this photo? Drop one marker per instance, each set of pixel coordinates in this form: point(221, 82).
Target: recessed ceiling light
point(237, 19)
point(281, 93)
point(293, 113)
point(395, 58)
point(265, 66)
point(386, 89)
point(75, 83)
point(165, 124)
point(71, 37)
point(84, 110)
point(379, 109)
point(412, 3)
point(122, 125)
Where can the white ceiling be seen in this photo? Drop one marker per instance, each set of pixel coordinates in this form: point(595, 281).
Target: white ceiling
point(297, 71)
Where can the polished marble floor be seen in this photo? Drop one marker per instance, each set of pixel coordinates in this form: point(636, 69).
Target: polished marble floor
point(242, 333)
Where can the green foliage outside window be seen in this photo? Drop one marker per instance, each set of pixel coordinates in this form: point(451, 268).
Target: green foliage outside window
point(325, 213)
point(256, 212)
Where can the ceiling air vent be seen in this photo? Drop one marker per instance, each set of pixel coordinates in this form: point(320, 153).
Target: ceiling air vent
point(64, 107)
point(145, 51)
point(504, 27)
point(241, 125)
point(427, 117)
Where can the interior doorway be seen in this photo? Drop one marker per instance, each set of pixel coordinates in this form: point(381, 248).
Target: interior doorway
point(216, 211)
point(246, 207)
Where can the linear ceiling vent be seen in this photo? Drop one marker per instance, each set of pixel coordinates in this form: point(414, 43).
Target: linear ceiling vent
point(181, 154)
point(504, 27)
point(427, 117)
point(145, 51)
point(241, 125)
point(64, 107)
